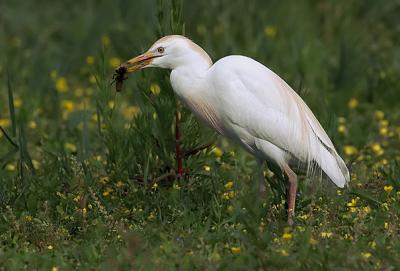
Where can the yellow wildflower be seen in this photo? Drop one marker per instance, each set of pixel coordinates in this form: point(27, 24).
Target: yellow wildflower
point(36, 164)
point(379, 114)
point(341, 120)
point(98, 158)
point(111, 104)
point(349, 150)
point(17, 103)
point(207, 168)
point(32, 124)
point(217, 152)
point(49, 247)
point(270, 31)
point(78, 92)
point(348, 237)
point(352, 203)
point(353, 209)
point(28, 218)
point(103, 179)
point(284, 253)
point(107, 191)
point(151, 216)
point(384, 123)
point(68, 105)
point(353, 103)
point(92, 79)
point(11, 167)
point(367, 209)
point(130, 112)
point(235, 250)
point(225, 196)
point(229, 185)
point(377, 149)
point(70, 147)
point(384, 162)
point(54, 268)
point(5, 123)
point(386, 225)
point(312, 241)
point(120, 184)
point(383, 131)
point(287, 236)
point(366, 255)
point(388, 188)
point(89, 60)
point(115, 62)
point(155, 89)
point(176, 186)
point(326, 234)
point(304, 217)
point(372, 244)
point(342, 129)
point(62, 85)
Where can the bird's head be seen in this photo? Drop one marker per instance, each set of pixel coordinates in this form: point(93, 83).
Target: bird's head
point(170, 52)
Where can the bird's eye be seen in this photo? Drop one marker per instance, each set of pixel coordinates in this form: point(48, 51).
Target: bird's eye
point(160, 50)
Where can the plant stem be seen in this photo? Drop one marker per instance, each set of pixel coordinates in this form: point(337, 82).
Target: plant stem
point(178, 150)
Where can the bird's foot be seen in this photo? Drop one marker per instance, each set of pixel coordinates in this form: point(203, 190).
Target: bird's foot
point(290, 220)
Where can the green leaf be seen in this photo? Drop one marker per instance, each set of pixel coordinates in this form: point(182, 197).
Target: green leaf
point(11, 105)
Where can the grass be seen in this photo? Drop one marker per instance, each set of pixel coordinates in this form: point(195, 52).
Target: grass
point(78, 161)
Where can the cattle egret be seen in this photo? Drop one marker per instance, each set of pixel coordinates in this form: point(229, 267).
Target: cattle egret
point(245, 101)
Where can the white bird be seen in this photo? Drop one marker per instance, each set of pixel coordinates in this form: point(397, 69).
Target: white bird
point(245, 101)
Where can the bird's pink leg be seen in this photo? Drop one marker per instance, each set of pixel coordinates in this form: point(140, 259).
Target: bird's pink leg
point(291, 197)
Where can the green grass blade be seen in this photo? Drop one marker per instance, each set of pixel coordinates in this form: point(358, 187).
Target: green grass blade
point(11, 105)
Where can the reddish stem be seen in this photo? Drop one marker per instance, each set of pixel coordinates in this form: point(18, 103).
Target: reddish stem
point(178, 151)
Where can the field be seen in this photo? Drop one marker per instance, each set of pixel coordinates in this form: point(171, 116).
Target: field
point(87, 174)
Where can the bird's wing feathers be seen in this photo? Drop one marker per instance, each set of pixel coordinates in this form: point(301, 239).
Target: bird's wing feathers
point(261, 103)
point(245, 109)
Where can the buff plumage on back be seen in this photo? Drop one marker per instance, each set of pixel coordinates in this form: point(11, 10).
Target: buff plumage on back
point(321, 149)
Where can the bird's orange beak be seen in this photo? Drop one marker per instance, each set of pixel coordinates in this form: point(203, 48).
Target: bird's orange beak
point(139, 61)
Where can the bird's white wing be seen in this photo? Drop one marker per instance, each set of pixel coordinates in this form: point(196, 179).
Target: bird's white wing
point(255, 100)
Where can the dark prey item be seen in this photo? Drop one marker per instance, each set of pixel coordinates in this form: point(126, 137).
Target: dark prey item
point(119, 77)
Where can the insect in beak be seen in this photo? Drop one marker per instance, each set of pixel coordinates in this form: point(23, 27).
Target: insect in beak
point(119, 77)
point(138, 62)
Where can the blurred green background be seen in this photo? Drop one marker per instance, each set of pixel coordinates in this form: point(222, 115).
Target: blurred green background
point(80, 165)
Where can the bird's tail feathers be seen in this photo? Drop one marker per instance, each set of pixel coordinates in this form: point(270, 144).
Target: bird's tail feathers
point(331, 164)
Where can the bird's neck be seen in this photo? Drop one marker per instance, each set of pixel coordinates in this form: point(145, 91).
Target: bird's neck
point(189, 79)
point(191, 84)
